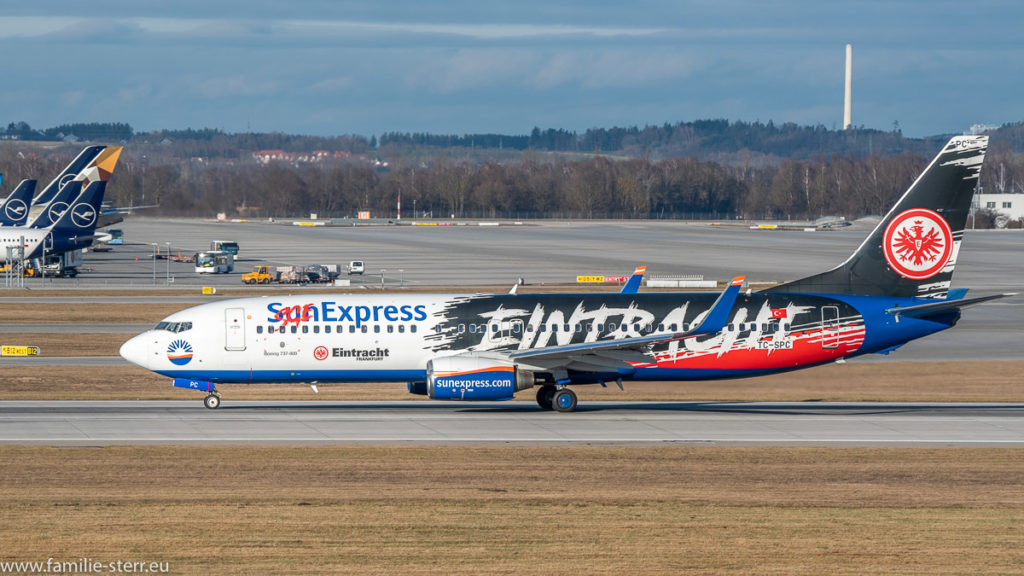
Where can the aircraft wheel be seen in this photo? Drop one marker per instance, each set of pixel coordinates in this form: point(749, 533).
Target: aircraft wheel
point(564, 400)
point(212, 401)
point(545, 396)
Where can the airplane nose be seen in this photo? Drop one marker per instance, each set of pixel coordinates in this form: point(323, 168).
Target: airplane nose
point(135, 350)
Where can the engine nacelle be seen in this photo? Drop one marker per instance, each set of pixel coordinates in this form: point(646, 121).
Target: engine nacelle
point(475, 377)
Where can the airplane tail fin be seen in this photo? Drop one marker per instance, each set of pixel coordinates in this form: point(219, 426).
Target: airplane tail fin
point(15, 208)
point(632, 286)
point(53, 211)
point(101, 168)
point(84, 158)
point(79, 220)
point(913, 250)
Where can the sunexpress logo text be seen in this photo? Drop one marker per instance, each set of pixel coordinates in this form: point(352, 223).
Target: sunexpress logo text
point(333, 312)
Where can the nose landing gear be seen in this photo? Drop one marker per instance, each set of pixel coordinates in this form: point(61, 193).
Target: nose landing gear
point(212, 400)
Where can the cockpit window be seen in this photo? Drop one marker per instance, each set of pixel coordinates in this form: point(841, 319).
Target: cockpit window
point(174, 327)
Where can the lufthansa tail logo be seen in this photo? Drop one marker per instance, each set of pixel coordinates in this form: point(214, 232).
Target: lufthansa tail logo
point(15, 209)
point(57, 209)
point(83, 215)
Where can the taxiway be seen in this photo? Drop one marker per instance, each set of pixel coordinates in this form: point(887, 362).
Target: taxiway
point(103, 423)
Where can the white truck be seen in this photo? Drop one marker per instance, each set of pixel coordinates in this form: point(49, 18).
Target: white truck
point(355, 267)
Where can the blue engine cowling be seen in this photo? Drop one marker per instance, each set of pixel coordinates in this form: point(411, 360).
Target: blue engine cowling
point(475, 377)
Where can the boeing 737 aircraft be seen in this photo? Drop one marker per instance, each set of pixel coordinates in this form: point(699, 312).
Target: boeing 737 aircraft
point(893, 289)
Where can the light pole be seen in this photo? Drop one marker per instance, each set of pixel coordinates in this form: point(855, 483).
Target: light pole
point(156, 246)
point(382, 271)
point(401, 278)
point(414, 208)
point(168, 255)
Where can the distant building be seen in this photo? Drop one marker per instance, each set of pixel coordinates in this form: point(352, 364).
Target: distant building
point(1009, 205)
point(268, 156)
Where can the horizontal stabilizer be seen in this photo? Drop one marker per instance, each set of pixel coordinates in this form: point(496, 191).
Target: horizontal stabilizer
point(931, 308)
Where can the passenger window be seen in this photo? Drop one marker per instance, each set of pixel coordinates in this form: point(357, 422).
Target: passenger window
point(390, 328)
point(554, 327)
point(612, 327)
point(364, 329)
point(412, 328)
point(352, 329)
point(327, 329)
point(259, 329)
point(472, 328)
point(462, 328)
point(305, 329)
point(316, 329)
point(376, 329)
point(401, 328)
point(295, 329)
point(567, 328)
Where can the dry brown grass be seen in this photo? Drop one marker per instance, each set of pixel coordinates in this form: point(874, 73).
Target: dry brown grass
point(519, 510)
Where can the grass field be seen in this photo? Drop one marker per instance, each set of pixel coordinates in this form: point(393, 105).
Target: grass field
point(519, 510)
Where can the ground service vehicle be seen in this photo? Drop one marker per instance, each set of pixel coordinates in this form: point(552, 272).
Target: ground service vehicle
point(355, 267)
point(116, 236)
point(225, 246)
point(260, 275)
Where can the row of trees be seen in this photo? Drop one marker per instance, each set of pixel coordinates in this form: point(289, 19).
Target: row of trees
point(527, 184)
point(533, 186)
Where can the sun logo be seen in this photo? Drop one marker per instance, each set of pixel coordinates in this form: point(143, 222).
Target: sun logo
point(179, 352)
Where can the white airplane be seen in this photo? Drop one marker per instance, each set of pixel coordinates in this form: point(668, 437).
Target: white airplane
point(893, 289)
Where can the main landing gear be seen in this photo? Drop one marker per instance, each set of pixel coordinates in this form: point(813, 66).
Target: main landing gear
point(212, 400)
point(561, 399)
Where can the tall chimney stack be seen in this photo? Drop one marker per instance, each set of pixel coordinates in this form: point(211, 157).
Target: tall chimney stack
point(848, 104)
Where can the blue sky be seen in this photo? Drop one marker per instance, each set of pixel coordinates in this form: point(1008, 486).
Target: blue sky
point(326, 67)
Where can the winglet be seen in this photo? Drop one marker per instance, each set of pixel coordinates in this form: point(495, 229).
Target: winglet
point(632, 286)
point(718, 316)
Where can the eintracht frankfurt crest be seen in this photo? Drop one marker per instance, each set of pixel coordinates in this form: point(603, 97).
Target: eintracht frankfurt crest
point(918, 243)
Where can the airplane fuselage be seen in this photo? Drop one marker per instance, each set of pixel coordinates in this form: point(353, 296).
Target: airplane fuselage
point(346, 338)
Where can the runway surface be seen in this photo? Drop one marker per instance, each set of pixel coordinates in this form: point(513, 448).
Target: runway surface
point(87, 423)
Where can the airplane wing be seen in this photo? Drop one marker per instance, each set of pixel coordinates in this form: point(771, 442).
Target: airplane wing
point(931, 308)
point(614, 354)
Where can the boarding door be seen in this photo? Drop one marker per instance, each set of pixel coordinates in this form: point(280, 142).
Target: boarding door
point(234, 326)
point(830, 327)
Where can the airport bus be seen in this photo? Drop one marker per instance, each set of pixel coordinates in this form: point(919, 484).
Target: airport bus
point(215, 262)
point(116, 236)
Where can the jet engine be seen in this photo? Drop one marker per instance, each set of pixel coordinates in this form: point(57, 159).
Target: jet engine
point(475, 377)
